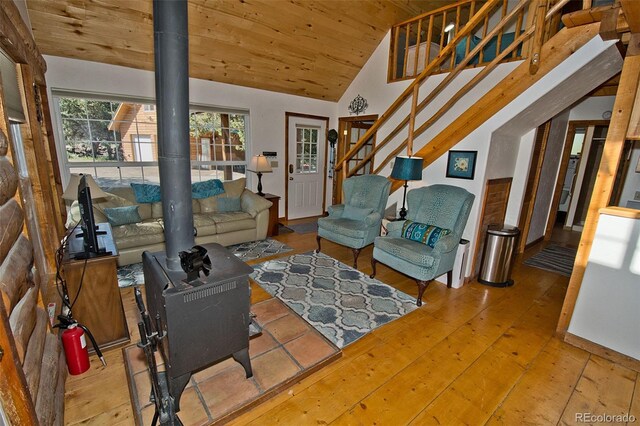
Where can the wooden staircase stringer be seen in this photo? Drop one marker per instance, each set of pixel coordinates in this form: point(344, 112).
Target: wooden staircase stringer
point(554, 52)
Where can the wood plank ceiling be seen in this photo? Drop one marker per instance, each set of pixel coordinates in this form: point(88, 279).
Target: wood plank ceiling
point(312, 48)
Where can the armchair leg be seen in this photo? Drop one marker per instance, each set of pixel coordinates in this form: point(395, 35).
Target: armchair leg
point(373, 267)
point(356, 252)
point(422, 286)
point(449, 278)
point(318, 241)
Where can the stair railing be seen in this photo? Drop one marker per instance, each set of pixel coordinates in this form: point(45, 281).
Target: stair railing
point(413, 89)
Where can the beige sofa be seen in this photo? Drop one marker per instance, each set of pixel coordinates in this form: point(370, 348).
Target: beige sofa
point(212, 226)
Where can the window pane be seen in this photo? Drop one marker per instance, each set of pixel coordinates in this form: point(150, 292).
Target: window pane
point(151, 174)
point(79, 151)
point(130, 174)
point(75, 130)
point(102, 110)
point(100, 131)
point(73, 108)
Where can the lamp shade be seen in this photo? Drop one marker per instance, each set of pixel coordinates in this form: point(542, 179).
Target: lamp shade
point(407, 168)
point(71, 191)
point(260, 164)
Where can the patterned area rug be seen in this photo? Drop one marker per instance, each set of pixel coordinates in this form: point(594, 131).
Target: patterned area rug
point(555, 259)
point(133, 275)
point(342, 303)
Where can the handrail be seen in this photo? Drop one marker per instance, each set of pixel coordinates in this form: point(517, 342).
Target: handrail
point(475, 20)
point(423, 75)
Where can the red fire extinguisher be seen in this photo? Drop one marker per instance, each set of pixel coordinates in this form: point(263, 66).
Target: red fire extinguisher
point(75, 349)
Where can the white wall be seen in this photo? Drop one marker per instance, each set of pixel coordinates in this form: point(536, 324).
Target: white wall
point(606, 310)
point(592, 108)
point(266, 109)
point(548, 177)
point(371, 83)
point(632, 180)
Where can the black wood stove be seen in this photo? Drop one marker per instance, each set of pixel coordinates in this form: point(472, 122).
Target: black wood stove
point(203, 321)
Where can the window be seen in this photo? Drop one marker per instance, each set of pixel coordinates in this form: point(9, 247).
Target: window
point(307, 149)
point(117, 140)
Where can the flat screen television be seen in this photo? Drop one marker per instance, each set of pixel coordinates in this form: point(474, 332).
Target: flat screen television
point(88, 223)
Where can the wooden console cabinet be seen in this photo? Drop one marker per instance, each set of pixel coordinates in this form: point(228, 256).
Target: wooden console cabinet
point(273, 214)
point(99, 305)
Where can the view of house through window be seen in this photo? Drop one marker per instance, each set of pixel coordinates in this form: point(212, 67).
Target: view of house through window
point(117, 142)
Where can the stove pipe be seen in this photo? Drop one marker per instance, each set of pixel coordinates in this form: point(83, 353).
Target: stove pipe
point(171, 42)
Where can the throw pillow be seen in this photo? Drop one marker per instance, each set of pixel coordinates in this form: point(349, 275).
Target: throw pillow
point(122, 215)
point(423, 233)
point(234, 188)
point(355, 213)
point(226, 204)
point(205, 189)
point(146, 193)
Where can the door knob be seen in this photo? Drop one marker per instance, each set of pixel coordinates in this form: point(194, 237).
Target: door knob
point(290, 178)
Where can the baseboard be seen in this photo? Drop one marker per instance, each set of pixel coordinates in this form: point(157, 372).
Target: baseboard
point(601, 351)
point(534, 242)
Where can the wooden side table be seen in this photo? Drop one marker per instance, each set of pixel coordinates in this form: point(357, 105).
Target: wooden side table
point(273, 214)
point(99, 305)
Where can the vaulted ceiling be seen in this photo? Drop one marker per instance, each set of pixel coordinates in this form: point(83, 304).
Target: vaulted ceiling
point(312, 48)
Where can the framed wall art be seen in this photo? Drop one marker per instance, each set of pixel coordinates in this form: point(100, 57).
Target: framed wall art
point(461, 164)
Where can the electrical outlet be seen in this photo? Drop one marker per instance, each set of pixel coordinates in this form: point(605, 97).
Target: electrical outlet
point(637, 196)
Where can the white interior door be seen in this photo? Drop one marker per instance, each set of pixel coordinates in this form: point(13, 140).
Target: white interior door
point(307, 141)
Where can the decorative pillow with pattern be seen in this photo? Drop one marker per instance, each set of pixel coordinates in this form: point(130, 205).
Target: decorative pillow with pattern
point(423, 233)
point(205, 189)
point(146, 192)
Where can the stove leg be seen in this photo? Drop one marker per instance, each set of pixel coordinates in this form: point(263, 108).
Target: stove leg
point(176, 387)
point(242, 356)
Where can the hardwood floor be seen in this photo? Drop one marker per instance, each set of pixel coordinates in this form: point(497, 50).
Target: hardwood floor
point(474, 355)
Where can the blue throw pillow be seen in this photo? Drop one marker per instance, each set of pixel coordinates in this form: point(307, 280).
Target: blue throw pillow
point(146, 192)
point(122, 215)
point(227, 205)
point(355, 213)
point(423, 233)
point(206, 189)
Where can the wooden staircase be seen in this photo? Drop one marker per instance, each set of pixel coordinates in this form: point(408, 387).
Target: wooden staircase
point(547, 49)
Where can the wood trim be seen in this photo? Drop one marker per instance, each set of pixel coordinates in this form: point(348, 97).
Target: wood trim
point(631, 9)
point(603, 187)
point(533, 243)
point(16, 40)
point(38, 165)
point(477, 258)
point(288, 114)
point(620, 212)
point(603, 351)
point(533, 179)
point(562, 175)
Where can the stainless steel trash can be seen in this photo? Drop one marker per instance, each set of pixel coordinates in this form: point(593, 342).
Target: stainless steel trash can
point(497, 259)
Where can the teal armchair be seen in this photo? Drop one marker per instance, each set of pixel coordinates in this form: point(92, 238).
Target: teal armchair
point(357, 222)
point(444, 206)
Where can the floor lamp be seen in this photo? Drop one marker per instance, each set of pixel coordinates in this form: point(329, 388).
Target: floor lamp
point(406, 168)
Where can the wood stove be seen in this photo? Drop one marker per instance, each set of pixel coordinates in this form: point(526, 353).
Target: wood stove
point(205, 321)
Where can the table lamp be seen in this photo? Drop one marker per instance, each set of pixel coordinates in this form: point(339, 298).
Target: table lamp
point(259, 165)
point(71, 191)
point(406, 169)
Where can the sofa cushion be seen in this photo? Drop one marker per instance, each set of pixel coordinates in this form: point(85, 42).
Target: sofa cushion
point(355, 213)
point(226, 204)
point(233, 221)
point(126, 192)
point(140, 234)
point(146, 192)
point(232, 189)
point(207, 188)
point(156, 209)
point(204, 224)
point(122, 215)
point(410, 251)
point(347, 227)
